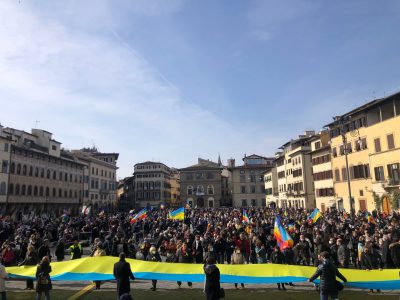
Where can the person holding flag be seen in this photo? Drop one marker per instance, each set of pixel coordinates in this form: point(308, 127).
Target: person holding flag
point(370, 218)
point(245, 217)
point(284, 240)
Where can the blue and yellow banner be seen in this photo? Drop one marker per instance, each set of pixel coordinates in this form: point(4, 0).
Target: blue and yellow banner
point(101, 268)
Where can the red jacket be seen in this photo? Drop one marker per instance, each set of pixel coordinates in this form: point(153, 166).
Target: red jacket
point(243, 243)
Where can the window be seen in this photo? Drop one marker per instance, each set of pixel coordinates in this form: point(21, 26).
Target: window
point(48, 174)
point(6, 147)
point(200, 189)
point(244, 202)
point(59, 193)
point(242, 178)
point(54, 192)
point(341, 150)
point(54, 175)
point(47, 192)
point(317, 145)
point(24, 170)
point(242, 171)
point(210, 190)
point(54, 147)
point(42, 172)
point(29, 190)
point(209, 175)
point(4, 166)
point(253, 202)
point(379, 175)
point(19, 169)
point(334, 151)
point(253, 189)
point(190, 190)
point(41, 191)
point(359, 171)
point(390, 141)
point(17, 189)
point(35, 191)
point(30, 171)
point(243, 189)
point(344, 174)
point(377, 143)
point(394, 173)
point(2, 188)
point(11, 189)
point(361, 193)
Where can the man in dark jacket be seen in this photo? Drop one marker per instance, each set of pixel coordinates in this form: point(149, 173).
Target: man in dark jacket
point(212, 286)
point(122, 273)
point(327, 272)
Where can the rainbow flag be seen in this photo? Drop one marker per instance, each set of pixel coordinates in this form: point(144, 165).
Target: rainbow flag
point(291, 227)
point(369, 217)
point(282, 237)
point(139, 216)
point(245, 217)
point(178, 214)
point(315, 215)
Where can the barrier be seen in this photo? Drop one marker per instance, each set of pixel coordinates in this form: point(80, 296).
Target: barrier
point(101, 268)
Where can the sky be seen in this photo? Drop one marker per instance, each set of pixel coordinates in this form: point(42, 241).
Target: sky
point(175, 80)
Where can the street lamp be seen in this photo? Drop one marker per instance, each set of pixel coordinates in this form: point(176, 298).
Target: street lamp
point(342, 125)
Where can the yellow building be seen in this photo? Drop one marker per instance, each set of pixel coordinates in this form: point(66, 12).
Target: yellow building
point(372, 140)
point(322, 171)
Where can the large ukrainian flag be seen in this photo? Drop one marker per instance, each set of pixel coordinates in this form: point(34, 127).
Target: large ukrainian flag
point(178, 214)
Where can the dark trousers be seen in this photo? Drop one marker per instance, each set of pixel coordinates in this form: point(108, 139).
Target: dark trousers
point(326, 296)
point(29, 284)
point(154, 284)
point(180, 282)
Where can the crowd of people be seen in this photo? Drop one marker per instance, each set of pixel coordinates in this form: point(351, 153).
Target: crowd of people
point(351, 240)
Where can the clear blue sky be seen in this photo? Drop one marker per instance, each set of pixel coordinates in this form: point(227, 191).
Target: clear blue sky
point(173, 80)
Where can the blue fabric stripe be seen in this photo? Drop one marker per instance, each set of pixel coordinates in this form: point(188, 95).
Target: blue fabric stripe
point(383, 285)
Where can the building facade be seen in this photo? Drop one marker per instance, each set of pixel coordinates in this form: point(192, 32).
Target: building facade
point(100, 173)
point(42, 176)
point(322, 171)
point(294, 172)
point(372, 144)
point(271, 187)
point(5, 158)
point(201, 184)
point(175, 182)
point(126, 194)
point(248, 187)
point(152, 184)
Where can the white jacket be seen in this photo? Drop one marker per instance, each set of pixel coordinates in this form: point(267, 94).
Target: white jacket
point(3, 276)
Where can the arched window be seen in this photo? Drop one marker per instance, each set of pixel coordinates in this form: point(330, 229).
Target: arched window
point(200, 189)
point(12, 168)
point(11, 189)
point(24, 170)
point(36, 172)
point(23, 190)
point(66, 177)
point(30, 171)
point(60, 177)
point(47, 192)
point(29, 190)
point(42, 172)
point(54, 192)
point(54, 175)
point(35, 191)
point(19, 169)
point(210, 189)
point(48, 174)
point(190, 190)
point(17, 190)
point(59, 193)
point(2, 188)
point(41, 191)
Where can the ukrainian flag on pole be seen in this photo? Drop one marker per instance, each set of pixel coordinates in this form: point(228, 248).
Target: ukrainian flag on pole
point(178, 214)
point(315, 215)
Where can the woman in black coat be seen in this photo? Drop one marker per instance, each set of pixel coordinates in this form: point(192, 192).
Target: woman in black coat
point(212, 286)
point(43, 279)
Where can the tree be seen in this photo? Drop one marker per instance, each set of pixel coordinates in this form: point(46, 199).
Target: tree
point(395, 199)
point(378, 201)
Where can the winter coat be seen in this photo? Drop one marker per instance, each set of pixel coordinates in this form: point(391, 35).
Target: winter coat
point(327, 272)
point(237, 259)
point(212, 285)
point(3, 276)
point(43, 271)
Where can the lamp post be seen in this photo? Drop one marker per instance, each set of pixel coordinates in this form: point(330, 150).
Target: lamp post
point(342, 123)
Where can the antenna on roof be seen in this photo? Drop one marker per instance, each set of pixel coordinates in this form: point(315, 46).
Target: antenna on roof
point(36, 123)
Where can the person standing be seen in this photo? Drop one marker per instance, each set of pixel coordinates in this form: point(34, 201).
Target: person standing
point(3, 277)
point(60, 250)
point(97, 253)
point(31, 259)
point(327, 272)
point(212, 286)
point(183, 255)
point(43, 284)
point(76, 250)
point(122, 273)
point(237, 259)
point(153, 256)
